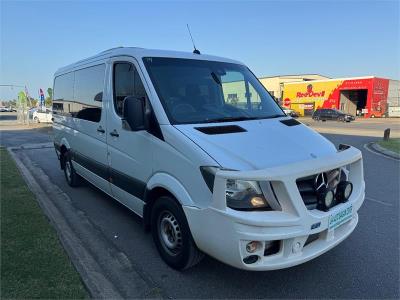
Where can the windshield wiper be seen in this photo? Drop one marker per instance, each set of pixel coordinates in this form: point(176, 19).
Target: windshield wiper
point(229, 119)
point(274, 116)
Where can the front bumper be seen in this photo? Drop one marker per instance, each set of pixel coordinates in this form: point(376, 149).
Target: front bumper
point(223, 233)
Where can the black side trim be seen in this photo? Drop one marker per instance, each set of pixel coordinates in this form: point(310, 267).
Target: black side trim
point(92, 165)
point(129, 184)
point(290, 122)
point(221, 129)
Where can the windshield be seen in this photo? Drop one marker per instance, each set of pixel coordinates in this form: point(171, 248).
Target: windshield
point(199, 91)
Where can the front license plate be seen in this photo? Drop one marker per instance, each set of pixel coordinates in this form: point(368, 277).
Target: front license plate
point(342, 216)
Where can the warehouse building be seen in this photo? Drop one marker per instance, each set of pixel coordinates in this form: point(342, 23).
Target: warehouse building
point(368, 97)
point(274, 84)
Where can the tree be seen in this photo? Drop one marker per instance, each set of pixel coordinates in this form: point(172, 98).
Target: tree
point(50, 92)
point(49, 98)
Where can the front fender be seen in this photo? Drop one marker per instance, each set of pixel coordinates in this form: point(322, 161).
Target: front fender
point(171, 184)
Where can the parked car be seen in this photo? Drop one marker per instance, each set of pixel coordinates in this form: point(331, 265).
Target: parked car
point(324, 114)
point(42, 116)
point(290, 112)
point(237, 180)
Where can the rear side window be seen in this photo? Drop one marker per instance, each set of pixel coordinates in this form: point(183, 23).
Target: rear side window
point(127, 82)
point(79, 94)
point(88, 93)
point(63, 95)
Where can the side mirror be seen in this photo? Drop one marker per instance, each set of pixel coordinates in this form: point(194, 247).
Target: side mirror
point(133, 112)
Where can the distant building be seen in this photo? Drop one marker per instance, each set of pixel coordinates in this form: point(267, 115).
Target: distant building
point(274, 84)
point(368, 96)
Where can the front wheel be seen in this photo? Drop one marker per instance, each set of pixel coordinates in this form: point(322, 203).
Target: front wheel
point(172, 236)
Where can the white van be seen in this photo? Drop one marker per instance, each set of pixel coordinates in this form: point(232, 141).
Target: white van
point(196, 146)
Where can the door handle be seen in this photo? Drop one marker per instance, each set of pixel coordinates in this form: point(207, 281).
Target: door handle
point(114, 133)
point(100, 129)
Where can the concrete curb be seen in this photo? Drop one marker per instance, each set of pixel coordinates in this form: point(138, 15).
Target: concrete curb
point(377, 148)
point(102, 267)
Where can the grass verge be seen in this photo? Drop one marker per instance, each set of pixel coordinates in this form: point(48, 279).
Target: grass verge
point(33, 262)
point(391, 144)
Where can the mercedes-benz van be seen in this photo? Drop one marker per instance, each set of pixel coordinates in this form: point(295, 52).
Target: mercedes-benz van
point(196, 146)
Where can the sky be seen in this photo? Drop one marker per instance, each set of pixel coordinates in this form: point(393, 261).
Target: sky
point(332, 38)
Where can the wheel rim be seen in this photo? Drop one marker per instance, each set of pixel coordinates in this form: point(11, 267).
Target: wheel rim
point(170, 233)
point(68, 170)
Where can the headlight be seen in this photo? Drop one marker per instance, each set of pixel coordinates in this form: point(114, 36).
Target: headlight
point(245, 195)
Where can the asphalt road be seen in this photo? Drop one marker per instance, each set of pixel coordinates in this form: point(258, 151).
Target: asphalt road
point(359, 127)
point(366, 265)
point(8, 116)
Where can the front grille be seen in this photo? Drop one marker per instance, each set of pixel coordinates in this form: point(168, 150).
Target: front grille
point(308, 188)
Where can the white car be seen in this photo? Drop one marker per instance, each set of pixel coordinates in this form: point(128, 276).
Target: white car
point(196, 146)
point(45, 116)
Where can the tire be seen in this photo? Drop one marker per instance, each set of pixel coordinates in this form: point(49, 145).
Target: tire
point(36, 119)
point(372, 116)
point(171, 234)
point(72, 178)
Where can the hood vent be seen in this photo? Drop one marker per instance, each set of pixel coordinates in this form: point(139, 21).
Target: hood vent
point(221, 129)
point(290, 122)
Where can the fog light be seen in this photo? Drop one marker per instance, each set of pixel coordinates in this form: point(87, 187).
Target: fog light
point(250, 259)
point(329, 198)
point(252, 246)
point(343, 191)
point(325, 199)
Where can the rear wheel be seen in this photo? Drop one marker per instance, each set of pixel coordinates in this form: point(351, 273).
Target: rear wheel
point(73, 179)
point(172, 236)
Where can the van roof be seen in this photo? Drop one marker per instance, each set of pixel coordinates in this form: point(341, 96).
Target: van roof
point(140, 53)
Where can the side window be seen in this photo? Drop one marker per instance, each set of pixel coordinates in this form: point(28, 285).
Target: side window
point(88, 93)
point(127, 82)
point(63, 93)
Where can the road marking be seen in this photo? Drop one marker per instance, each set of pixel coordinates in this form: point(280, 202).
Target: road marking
point(378, 201)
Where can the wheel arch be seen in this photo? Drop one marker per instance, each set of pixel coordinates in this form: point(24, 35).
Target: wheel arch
point(163, 184)
point(64, 147)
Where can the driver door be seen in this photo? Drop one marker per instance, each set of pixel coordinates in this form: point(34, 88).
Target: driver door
point(130, 152)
